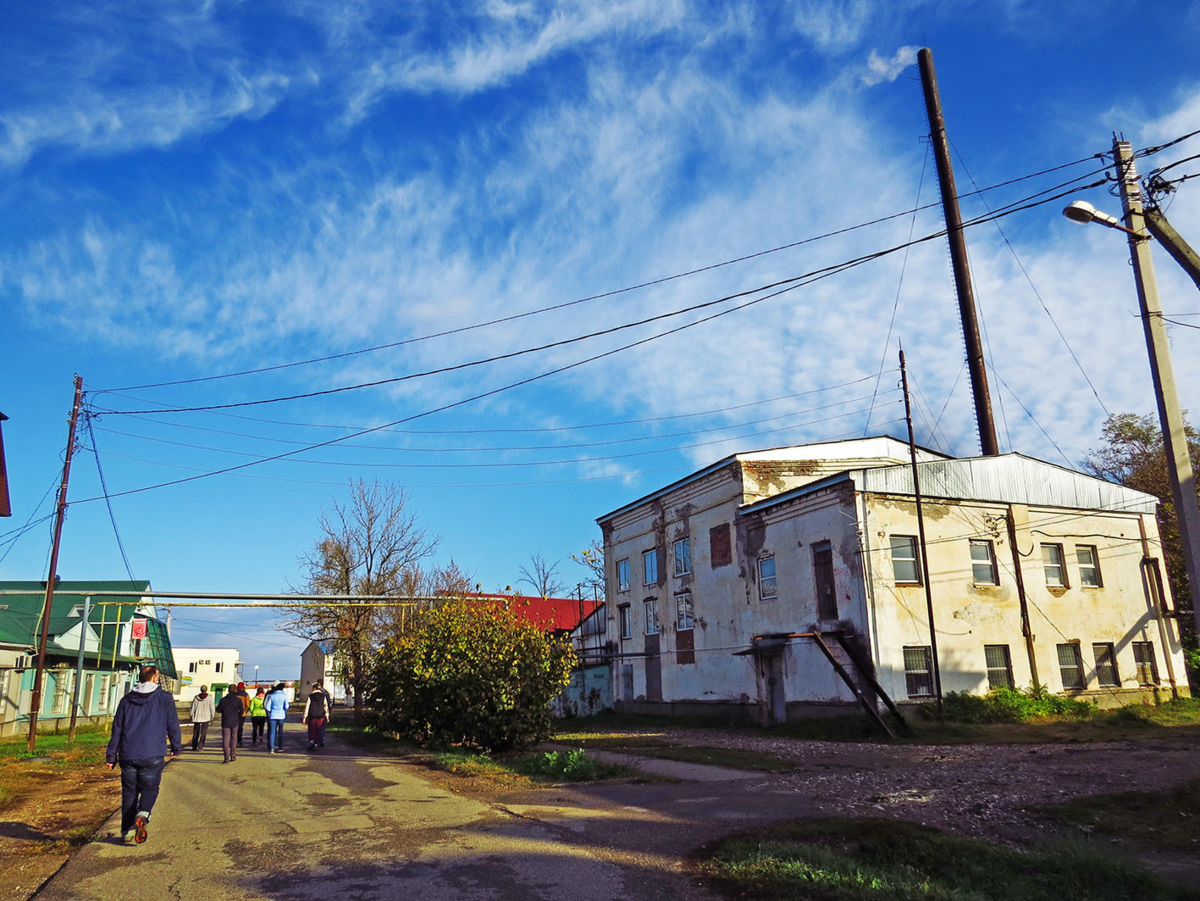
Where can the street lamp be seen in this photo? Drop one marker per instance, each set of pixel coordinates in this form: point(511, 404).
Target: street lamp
point(1179, 463)
point(256, 675)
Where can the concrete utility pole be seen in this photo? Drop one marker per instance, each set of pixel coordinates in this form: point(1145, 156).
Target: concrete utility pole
point(36, 702)
point(1179, 463)
point(958, 257)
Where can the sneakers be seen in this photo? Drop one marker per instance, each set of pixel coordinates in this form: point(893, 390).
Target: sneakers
point(139, 828)
point(127, 838)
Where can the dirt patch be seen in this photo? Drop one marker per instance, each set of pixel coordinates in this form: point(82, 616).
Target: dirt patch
point(54, 812)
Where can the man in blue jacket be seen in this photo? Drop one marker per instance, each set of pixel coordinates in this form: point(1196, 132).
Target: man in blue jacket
point(146, 718)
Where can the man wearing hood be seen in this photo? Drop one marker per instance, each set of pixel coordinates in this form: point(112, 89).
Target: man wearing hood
point(145, 720)
point(203, 710)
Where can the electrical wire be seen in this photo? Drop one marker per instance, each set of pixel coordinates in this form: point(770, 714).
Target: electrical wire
point(1033, 419)
point(112, 517)
point(582, 300)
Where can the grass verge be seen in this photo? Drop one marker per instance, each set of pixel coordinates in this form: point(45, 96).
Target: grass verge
point(1160, 821)
point(854, 859)
point(19, 774)
point(516, 770)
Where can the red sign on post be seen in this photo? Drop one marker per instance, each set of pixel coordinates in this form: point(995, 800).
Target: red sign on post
point(138, 628)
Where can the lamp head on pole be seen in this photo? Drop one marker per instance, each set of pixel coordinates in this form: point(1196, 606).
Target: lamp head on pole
point(1083, 212)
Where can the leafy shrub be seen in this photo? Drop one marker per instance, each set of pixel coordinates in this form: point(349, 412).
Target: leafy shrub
point(471, 672)
point(574, 766)
point(1011, 705)
point(1191, 659)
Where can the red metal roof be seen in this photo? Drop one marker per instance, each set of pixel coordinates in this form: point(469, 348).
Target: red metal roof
point(549, 614)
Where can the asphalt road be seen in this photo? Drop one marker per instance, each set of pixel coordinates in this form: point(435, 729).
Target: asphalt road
point(345, 825)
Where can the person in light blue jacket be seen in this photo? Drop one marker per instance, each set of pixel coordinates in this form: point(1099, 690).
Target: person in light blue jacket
point(276, 704)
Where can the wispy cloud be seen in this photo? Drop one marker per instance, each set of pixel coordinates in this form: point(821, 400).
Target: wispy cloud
point(881, 69)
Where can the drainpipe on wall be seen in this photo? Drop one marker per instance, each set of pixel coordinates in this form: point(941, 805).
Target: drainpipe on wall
point(1026, 630)
point(1152, 580)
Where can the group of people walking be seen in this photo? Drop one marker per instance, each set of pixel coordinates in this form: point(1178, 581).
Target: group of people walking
point(265, 708)
point(146, 721)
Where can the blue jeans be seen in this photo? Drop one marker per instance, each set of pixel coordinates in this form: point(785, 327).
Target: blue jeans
point(140, 779)
point(275, 734)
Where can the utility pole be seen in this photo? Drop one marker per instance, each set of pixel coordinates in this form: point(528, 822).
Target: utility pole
point(912, 451)
point(958, 257)
point(36, 702)
point(1179, 464)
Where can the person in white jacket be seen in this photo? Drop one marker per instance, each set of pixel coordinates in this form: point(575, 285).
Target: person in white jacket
point(203, 711)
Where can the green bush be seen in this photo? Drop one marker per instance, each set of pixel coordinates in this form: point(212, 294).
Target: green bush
point(473, 673)
point(574, 766)
point(1011, 705)
point(1191, 659)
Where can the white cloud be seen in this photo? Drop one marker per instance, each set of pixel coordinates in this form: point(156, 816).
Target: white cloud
point(833, 25)
point(881, 70)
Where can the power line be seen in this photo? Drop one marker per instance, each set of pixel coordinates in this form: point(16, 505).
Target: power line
point(582, 300)
point(107, 500)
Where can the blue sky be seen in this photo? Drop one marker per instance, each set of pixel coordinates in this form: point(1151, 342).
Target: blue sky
point(197, 189)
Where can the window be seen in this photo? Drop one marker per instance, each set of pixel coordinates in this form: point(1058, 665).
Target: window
point(62, 686)
point(999, 665)
point(623, 575)
point(102, 700)
point(77, 611)
point(918, 672)
point(766, 578)
point(650, 566)
point(626, 616)
point(1070, 667)
point(905, 566)
point(823, 577)
point(1143, 658)
point(983, 562)
point(684, 614)
point(219, 666)
point(1089, 565)
point(192, 666)
point(1052, 563)
point(651, 608)
point(1106, 665)
point(683, 556)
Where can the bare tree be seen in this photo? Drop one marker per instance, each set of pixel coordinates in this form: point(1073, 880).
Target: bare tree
point(541, 576)
point(592, 557)
point(365, 548)
point(431, 585)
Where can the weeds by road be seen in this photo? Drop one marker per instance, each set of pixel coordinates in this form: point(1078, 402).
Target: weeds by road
point(851, 859)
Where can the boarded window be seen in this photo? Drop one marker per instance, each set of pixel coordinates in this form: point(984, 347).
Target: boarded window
point(1070, 667)
point(1106, 665)
point(918, 672)
point(983, 562)
point(1147, 667)
point(720, 548)
point(905, 565)
point(685, 647)
point(999, 665)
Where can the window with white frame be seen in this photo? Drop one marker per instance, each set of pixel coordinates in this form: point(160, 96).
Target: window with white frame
point(999, 665)
point(766, 578)
point(1143, 659)
point(683, 556)
point(1106, 664)
point(651, 610)
point(626, 621)
point(983, 562)
point(918, 672)
point(684, 614)
point(650, 566)
point(1052, 563)
point(623, 575)
point(1089, 565)
point(102, 700)
point(1070, 667)
point(906, 567)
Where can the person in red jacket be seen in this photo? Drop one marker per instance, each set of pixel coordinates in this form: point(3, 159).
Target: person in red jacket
point(145, 720)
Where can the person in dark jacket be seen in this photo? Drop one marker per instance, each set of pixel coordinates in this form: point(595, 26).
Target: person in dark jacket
point(145, 721)
point(230, 708)
point(316, 715)
point(244, 696)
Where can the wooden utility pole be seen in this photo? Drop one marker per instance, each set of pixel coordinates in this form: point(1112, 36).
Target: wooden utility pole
point(52, 576)
point(912, 452)
point(1179, 463)
point(958, 257)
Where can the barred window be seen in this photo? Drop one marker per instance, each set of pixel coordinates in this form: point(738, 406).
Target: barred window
point(1070, 667)
point(983, 562)
point(62, 686)
point(1147, 667)
point(918, 672)
point(1106, 665)
point(905, 563)
point(999, 665)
